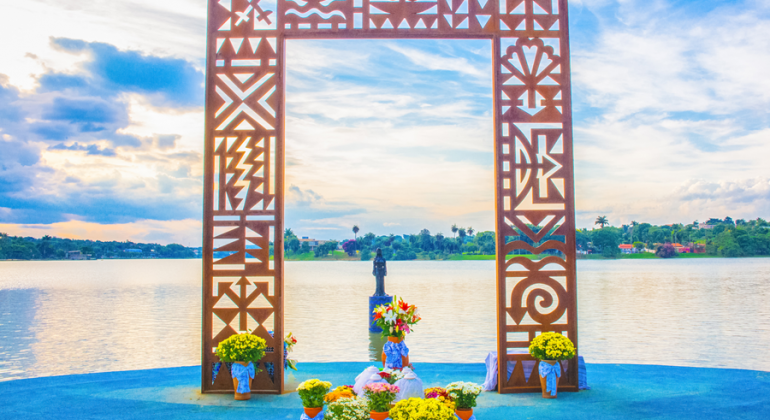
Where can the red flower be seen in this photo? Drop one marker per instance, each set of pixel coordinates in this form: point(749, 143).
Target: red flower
point(384, 375)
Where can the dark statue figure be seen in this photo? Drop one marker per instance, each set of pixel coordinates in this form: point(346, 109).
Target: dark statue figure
point(379, 272)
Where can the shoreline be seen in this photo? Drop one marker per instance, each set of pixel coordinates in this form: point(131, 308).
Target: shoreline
point(645, 256)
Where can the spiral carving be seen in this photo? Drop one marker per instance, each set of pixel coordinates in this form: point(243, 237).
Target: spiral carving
point(517, 310)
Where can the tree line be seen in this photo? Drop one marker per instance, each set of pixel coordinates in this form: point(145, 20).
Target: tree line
point(718, 237)
point(53, 248)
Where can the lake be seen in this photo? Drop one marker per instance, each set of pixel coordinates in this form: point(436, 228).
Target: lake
point(69, 317)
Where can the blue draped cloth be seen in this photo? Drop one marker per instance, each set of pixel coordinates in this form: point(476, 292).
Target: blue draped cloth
point(243, 374)
point(550, 373)
point(393, 352)
point(320, 416)
point(473, 417)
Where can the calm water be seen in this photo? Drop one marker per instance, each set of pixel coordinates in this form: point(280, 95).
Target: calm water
point(88, 316)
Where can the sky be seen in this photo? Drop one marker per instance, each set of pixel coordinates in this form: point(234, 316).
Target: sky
point(101, 121)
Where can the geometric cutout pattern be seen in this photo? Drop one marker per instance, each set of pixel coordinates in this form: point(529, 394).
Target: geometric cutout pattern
point(243, 182)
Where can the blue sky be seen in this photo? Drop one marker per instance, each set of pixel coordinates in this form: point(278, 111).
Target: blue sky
point(101, 113)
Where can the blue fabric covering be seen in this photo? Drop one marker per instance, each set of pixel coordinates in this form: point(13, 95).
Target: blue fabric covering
point(619, 392)
point(243, 374)
point(393, 352)
point(473, 417)
point(550, 373)
point(320, 416)
point(490, 382)
point(215, 371)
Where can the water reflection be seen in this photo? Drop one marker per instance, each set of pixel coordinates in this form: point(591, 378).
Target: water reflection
point(376, 343)
point(76, 317)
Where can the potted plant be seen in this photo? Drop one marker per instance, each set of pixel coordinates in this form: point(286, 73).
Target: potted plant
point(340, 392)
point(380, 396)
point(441, 395)
point(242, 350)
point(550, 348)
point(419, 409)
point(396, 320)
point(348, 409)
point(464, 395)
point(312, 393)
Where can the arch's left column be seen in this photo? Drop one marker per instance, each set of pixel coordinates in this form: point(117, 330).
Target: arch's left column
point(243, 187)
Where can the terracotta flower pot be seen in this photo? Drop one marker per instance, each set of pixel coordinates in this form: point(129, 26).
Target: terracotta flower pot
point(544, 383)
point(312, 411)
point(379, 415)
point(404, 359)
point(245, 395)
point(464, 413)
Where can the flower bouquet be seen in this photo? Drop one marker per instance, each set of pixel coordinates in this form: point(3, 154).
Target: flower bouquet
point(380, 397)
point(390, 375)
point(550, 348)
point(441, 395)
point(312, 393)
point(242, 350)
point(422, 409)
point(464, 395)
point(288, 345)
point(396, 318)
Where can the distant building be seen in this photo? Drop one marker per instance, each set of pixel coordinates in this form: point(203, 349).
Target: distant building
point(75, 255)
point(313, 243)
point(705, 226)
point(627, 248)
point(681, 248)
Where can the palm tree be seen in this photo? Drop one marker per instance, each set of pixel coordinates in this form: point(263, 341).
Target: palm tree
point(470, 231)
point(454, 230)
point(287, 233)
point(355, 231)
point(601, 220)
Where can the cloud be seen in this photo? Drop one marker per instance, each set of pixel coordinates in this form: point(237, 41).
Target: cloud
point(82, 146)
point(168, 81)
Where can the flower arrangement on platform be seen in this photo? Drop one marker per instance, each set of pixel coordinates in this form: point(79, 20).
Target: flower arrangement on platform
point(464, 394)
point(340, 392)
point(241, 348)
point(312, 392)
point(441, 395)
point(348, 409)
point(380, 396)
point(551, 346)
point(421, 409)
point(288, 345)
point(396, 318)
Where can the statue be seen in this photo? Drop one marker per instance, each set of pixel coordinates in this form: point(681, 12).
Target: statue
point(379, 272)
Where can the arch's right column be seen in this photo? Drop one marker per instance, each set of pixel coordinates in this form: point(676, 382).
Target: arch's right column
point(535, 205)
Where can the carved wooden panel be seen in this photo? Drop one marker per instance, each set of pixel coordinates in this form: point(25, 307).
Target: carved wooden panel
point(243, 187)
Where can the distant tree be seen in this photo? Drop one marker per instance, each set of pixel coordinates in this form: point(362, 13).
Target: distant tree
point(666, 250)
point(462, 233)
point(740, 222)
point(601, 221)
point(454, 230)
point(729, 220)
point(355, 231)
point(304, 248)
point(608, 240)
point(470, 231)
point(366, 254)
point(287, 233)
point(639, 245)
point(294, 244)
point(349, 247)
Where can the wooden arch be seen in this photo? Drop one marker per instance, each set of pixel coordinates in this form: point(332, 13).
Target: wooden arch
point(244, 164)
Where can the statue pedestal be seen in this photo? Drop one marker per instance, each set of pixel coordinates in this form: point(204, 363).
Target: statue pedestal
point(374, 301)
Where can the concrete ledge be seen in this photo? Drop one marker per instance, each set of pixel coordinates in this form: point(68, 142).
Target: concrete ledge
point(618, 392)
